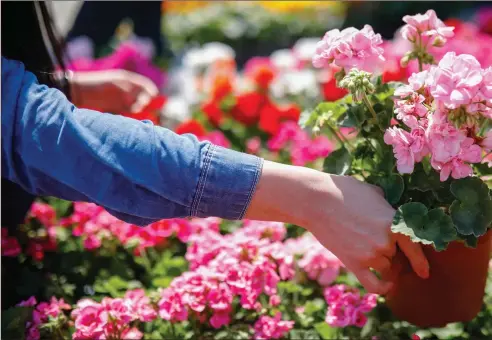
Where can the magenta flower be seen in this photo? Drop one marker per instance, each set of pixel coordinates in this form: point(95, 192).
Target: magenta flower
point(272, 328)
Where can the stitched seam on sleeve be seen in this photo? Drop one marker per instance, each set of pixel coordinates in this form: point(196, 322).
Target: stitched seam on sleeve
point(253, 187)
point(203, 179)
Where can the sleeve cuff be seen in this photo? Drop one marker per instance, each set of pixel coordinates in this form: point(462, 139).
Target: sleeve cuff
point(226, 184)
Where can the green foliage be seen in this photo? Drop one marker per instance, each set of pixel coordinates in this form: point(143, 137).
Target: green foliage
point(425, 226)
point(472, 210)
point(393, 187)
point(339, 162)
point(14, 321)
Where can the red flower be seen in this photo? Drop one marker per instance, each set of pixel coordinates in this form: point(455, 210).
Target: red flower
point(394, 72)
point(213, 112)
point(271, 116)
point(149, 112)
point(261, 71)
point(331, 92)
point(456, 23)
point(191, 126)
point(222, 86)
point(248, 106)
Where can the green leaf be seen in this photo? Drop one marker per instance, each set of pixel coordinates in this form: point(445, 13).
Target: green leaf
point(307, 119)
point(14, 322)
point(472, 210)
point(325, 331)
point(451, 331)
point(338, 162)
point(353, 117)
point(314, 306)
point(393, 187)
point(424, 226)
point(162, 281)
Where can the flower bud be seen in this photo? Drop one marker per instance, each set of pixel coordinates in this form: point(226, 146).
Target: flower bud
point(438, 42)
point(405, 60)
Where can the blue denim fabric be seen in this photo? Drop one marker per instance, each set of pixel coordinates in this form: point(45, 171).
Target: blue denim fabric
point(139, 172)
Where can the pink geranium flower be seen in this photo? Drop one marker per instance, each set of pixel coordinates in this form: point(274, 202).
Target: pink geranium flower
point(408, 147)
point(272, 328)
point(427, 25)
point(456, 80)
point(350, 48)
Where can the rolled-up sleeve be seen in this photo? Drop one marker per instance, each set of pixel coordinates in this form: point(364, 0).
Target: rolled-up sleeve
point(139, 172)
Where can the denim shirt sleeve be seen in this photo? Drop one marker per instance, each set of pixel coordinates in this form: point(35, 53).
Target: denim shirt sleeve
point(139, 172)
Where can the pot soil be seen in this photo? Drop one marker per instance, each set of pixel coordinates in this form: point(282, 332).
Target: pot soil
point(453, 292)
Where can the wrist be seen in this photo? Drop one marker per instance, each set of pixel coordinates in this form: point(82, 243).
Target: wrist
point(285, 194)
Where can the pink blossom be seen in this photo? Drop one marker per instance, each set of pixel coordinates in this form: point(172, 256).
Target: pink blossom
point(407, 147)
point(171, 306)
point(90, 323)
point(427, 25)
point(444, 141)
point(10, 245)
point(92, 242)
point(253, 145)
point(272, 328)
point(31, 302)
point(457, 166)
point(131, 334)
point(346, 307)
point(217, 138)
point(140, 304)
point(321, 265)
point(220, 297)
point(274, 300)
point(411, 108)
point(350, 48)
point(44, 213)
point(220, 319)
point(456, 80)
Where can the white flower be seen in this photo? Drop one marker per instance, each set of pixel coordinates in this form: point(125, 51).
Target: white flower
point(305, 48)
point(283, 59)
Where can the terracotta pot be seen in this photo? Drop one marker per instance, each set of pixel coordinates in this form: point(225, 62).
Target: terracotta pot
point(454, 291)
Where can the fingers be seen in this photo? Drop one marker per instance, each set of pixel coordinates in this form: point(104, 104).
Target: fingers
point(415, 254)
point(381, 264)
point(371, 282)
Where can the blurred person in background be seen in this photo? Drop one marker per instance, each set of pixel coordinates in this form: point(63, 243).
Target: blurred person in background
point(28, 36)
point(98, 21)
point(143, 173)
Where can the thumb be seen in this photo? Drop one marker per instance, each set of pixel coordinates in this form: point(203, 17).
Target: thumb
point(371, 282)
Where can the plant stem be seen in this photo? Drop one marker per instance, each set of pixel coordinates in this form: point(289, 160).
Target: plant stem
point(421, 66)
point(366, 101)
point(173, 331)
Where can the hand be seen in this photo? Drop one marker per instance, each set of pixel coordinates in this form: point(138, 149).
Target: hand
point(350, 218)
point(114, 91)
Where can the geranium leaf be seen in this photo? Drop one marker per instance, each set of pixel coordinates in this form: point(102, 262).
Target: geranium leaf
point(393, 187)
point(424, 226)
point(325, 331)
point(338, 162)
point(472, 210)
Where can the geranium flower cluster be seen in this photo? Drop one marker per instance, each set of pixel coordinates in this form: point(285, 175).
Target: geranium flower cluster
point(346, 306)
point(302, 148)
point(350, 48)
point(444, 109)
point(42, 313)
point(425, 28)
point(243, 266)
point(112, 318)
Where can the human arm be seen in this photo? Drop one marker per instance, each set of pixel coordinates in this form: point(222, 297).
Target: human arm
point(142, 173)
point(139, 172)
point(350, 218)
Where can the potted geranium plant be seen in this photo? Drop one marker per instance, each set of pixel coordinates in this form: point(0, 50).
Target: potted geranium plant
point(424, 143)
